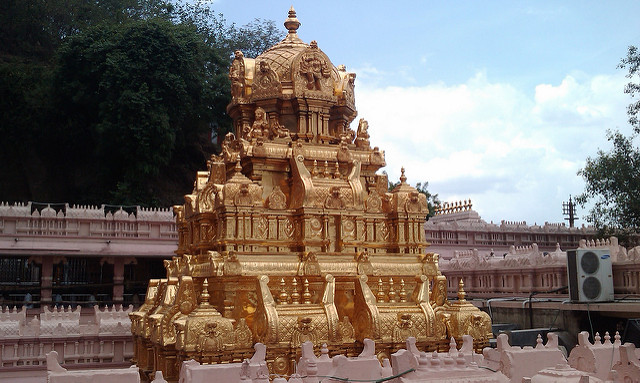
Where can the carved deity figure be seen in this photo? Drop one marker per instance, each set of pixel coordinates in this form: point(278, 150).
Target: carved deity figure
point(334, 200)
point(260, 127)
point(236, 74)
point(229, 152)
point(313, 68)
point(439, 294)
point(362, 139)
point(347, 136)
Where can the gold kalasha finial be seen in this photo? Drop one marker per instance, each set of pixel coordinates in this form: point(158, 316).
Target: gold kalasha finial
point(283, 297)
point(306, 295)
point(461, 293)
point(403, 292)
point(403, 178)
point(295, 295)
point(204, 296)
point(392, 291)
point(381, 294)
point(292, 23)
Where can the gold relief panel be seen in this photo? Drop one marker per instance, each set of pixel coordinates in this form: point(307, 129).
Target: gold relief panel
point(276, 199)
point(288, 228)
point(348, 228)
point(383, 232)
point(261, 227)
point(373, 204)
point(266, 82)
point(315, 227)
point(258, 267)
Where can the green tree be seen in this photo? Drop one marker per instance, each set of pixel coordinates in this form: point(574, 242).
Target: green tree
point(137, 94)
point(613, 184)
point(632, 63)
point(113, 101)
point(613, 178)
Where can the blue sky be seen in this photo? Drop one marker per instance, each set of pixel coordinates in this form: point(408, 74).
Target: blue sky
point(497, 101)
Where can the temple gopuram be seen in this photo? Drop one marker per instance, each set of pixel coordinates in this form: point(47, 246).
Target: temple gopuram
point(290, 235)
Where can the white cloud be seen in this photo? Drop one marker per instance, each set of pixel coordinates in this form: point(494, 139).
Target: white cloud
point(515, 155)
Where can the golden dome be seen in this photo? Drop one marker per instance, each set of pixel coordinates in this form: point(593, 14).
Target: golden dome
point(292, 70)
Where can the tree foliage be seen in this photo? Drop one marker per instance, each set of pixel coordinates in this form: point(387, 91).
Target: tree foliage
point(613, 184)
point(632, 63)
point(613, 178)
point(113, 101)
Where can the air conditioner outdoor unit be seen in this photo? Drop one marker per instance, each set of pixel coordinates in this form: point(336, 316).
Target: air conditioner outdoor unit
point(590, 276)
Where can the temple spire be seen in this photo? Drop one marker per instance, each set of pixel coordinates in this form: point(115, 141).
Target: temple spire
point(403, 178)
point(292, 23)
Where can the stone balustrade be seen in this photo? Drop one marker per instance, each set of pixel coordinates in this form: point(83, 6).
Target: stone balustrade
point(598, 361)
point(408, 365)
point(603, 360)
point(60, 321)
point(527, 269)
point(32, 219)
point(103, 340)
point(519, 362)
point(598, 357)
point(113, 320)
point(12, 321)
point(460, 229)
point(59, 374)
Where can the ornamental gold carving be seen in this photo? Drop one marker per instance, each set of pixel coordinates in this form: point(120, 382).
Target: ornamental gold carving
point(314, 71)
point(266, 82)
point(236, 75)
point(292, 235)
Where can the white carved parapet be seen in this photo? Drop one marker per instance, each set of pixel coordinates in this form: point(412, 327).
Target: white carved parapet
point(454, 365)
point(596, 358)
point(58, 321)
point(12, 321)
point(114, 320)
point(617, 252)
point(250, 369)
point(86, 221)
point(627, 369)
point(58, 374)
point(516, 362)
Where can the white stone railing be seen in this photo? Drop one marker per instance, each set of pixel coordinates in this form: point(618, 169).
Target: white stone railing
point(59, 374)
point(104, 339)
point(86, 221)
point(527, 269)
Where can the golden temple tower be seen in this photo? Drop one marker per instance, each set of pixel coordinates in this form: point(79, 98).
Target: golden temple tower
point(290, 235)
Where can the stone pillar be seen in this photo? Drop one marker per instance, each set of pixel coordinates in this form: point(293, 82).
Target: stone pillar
point(118, 280)
point(46, 281)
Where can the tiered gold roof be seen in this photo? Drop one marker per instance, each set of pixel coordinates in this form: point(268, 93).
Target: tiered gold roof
point(288, 234)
